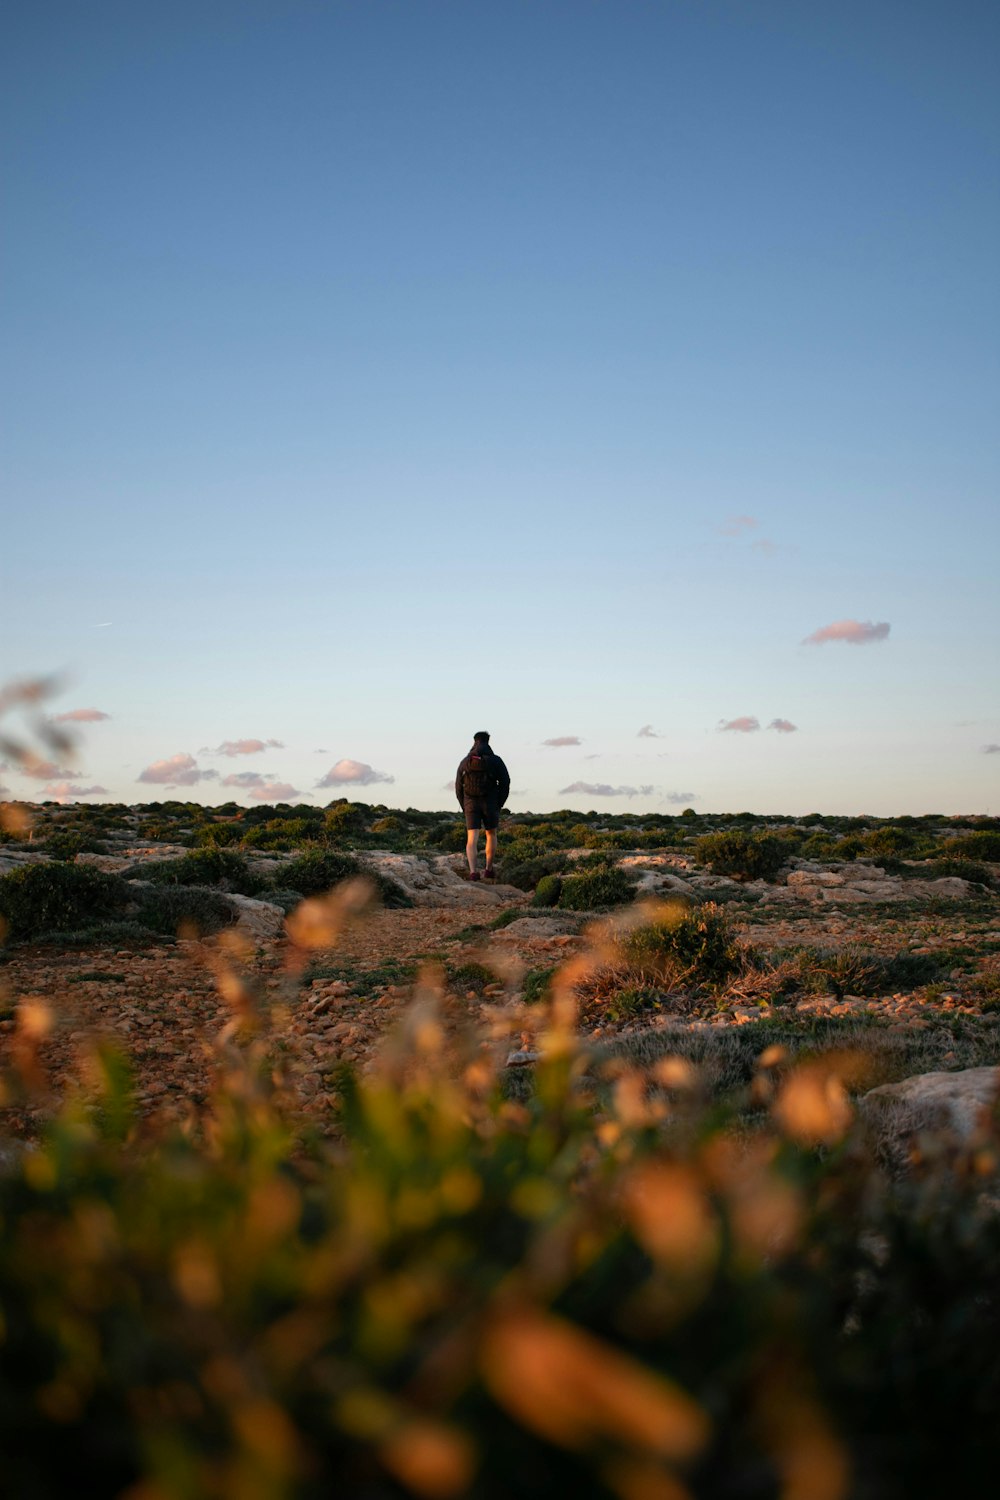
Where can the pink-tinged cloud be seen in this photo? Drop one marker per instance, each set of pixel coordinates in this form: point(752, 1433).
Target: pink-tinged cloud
point(275, 791)
point(682, 799)
point(745, 725)
point(45, 770)
point(738, 525)
point(648, 733)
point(991, 749)
point(563, 739)
point(244, 779)
point(353, 773)
point(602, 789)
point(81, 716)
point(854, 632)
point(63, 792)
point(176, 770)
point(783, 726)
point(246, 747)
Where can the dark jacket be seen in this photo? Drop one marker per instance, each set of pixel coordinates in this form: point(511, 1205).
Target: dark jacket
point(498, 780)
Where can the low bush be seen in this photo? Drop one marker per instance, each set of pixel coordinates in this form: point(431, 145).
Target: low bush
point(684, 946)
point(548, 891)
point(741, 854)
point(470, 976)
point(984, 843)
point(202, 867)
point(52, 897)
point(315, 873)
point(596, 890)
point(536, 985)
point(69, 845)
point(184, 910)
point(220, 835)
point(525, 874)
point(853, 970)
point(964, 869)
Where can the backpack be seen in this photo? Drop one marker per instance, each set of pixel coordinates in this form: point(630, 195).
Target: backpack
point(479, 779)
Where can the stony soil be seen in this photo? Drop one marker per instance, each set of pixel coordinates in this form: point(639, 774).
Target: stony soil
point(163, 1006)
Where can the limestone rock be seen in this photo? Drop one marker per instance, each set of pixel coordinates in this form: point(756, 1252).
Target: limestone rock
point(257, 919)
point(442, 881)
point(959, 1102)
point(538, 928)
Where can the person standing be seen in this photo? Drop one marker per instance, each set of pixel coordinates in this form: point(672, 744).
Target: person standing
point(482, 786)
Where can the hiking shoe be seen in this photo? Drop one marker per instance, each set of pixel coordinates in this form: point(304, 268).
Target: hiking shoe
point(474, 875)
point(489, 873)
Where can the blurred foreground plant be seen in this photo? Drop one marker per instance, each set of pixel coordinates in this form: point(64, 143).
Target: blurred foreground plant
point(602, 1290)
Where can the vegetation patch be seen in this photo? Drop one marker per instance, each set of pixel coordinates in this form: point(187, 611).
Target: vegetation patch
point(56, 897)
point(597, 889)
point(742, 854)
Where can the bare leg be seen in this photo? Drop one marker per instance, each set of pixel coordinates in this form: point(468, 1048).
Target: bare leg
point(472, 848)
point(491, 847)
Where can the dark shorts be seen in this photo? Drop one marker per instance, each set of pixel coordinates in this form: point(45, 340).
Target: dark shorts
point(481, 813)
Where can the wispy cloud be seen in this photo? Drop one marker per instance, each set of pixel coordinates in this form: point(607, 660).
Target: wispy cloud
point(991, 749)
point(276, 791)
point(176, 770)
point(62, 791)
point(81, 716)
point(244, 747)
point(748, 724)
point(647, 732)
point(563, 739)
point(738, 525)
point(245, 779)
point(854, 632)
point(353, 773)
point(45, 770)
point(602, 789)
point(765, 546)
point(682, 799)
point(783, 726)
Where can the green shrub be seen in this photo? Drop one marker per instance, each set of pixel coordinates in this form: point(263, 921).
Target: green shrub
point(220, 835)
point(684, 946)
point(471, 976)
point(596, 890)
point(390, 824)
point(315, 873)
point(854, 970)
point(742, 855)
point(219, 867)
point(984, 843)
point(547, 891)
point(964, 869)
point(51, 897)
point(536, 985)
point(69, 844)
point(525, 874)
point(888, 843)
point(185, 909)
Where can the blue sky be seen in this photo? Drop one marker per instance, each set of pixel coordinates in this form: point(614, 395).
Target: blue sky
point(373, 372)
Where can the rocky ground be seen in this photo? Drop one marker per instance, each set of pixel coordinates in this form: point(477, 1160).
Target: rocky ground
point(167, 1006)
